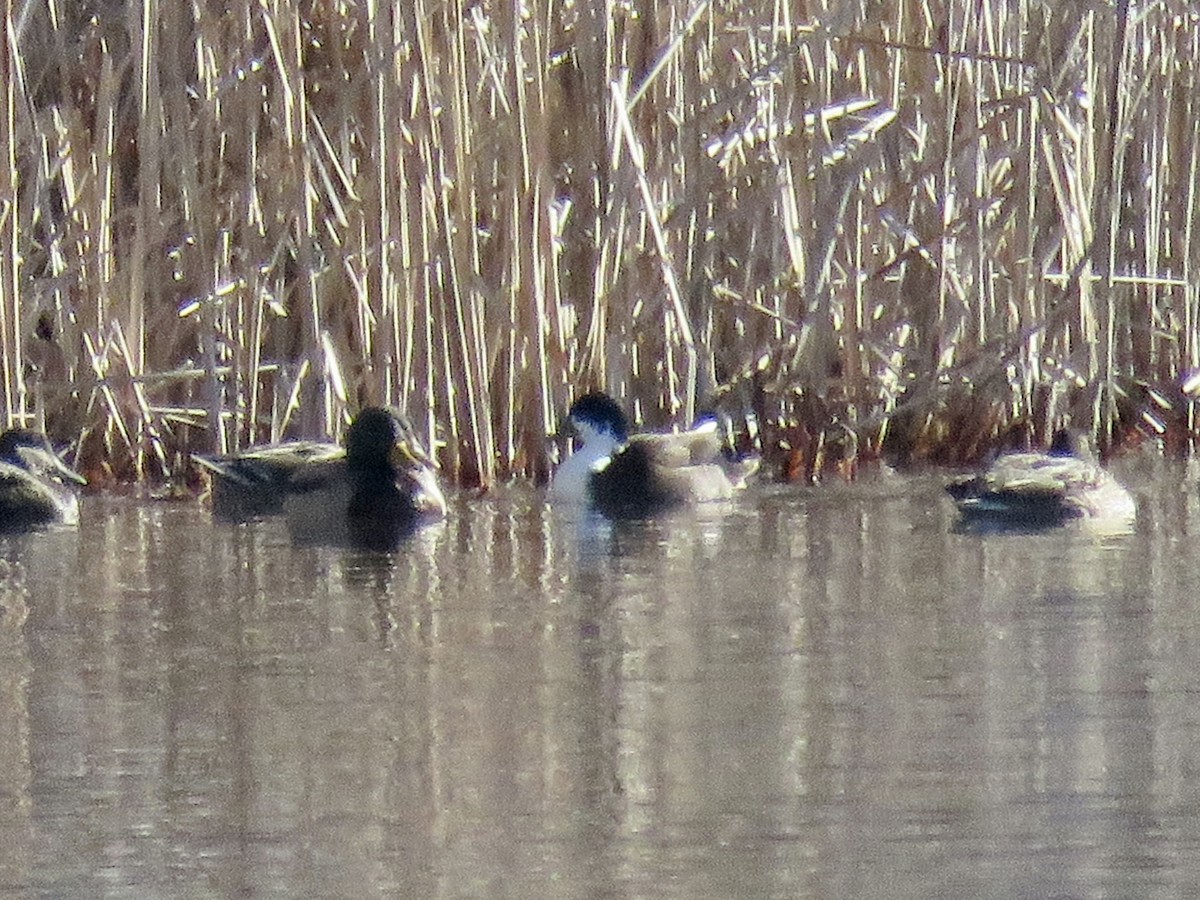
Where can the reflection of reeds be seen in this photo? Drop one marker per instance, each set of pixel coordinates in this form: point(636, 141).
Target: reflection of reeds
point(221, 224)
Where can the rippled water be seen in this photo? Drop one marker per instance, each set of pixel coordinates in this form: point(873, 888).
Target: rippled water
point(814, 693)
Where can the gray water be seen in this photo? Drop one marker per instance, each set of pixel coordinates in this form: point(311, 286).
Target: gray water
point(814, 693)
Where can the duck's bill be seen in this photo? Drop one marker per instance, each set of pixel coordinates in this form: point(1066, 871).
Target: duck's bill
point(406, 455)
point(427, 495)
point(48, 463)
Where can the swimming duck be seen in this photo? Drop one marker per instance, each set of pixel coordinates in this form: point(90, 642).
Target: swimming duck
point(1038, 490)
point(629, 476)
point(382, 482)
point(36, 487)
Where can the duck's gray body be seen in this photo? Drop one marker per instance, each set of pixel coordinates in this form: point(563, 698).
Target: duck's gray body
point(1043, 490)
point(255, 482)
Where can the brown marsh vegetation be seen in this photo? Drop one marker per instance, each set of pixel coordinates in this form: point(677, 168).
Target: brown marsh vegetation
point(925, 226)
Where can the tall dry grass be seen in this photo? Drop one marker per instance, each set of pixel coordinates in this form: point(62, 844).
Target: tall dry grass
point(935, 224)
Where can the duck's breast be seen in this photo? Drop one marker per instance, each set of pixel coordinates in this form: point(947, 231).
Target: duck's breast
point(572, 479)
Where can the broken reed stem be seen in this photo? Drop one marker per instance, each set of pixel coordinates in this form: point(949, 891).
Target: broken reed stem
point(637, 158)
point(916, 222)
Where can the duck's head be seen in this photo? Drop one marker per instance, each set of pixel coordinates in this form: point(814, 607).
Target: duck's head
point(596, 417)
point(31, 451)
point(1068, 442)
point(382, 442)
point(1062, 443)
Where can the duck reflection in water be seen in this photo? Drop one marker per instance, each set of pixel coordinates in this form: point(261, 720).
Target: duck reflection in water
point(1038, 491)
point(372, 495)
point(36, 487)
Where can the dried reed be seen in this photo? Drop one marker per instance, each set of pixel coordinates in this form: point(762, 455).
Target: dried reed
point(936, 225)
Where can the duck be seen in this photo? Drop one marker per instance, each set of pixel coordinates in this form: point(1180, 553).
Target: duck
point(633, 476)
point(381, 482)
point(36, 487)
point(1044, 489)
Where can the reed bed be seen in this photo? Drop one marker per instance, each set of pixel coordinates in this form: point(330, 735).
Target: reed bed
point(913, 227)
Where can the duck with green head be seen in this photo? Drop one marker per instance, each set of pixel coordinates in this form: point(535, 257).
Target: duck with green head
point(380, 486)
point(36, 487)
point(1040, 490)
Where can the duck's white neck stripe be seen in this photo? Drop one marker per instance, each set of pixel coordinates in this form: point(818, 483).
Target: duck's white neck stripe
point(591, 436)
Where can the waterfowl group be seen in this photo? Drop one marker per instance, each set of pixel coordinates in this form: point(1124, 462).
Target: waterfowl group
point(1040, 490)
point(36, 487)
point(381, 484)
point(377, 488)
point(630, 476)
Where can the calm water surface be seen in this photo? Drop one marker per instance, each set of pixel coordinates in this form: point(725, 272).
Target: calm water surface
point(814, 693)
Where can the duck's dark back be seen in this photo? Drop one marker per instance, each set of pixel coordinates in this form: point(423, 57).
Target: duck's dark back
point(629, 486)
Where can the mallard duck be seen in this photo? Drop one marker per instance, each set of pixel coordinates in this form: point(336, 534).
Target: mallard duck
point(1032, 490)
point(629, 476)
point(36, 487)
point(382, 482)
